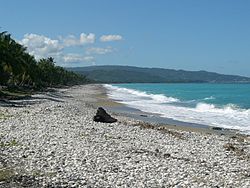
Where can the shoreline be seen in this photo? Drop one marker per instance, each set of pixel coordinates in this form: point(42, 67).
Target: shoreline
point(123, 110)
point(51, 140)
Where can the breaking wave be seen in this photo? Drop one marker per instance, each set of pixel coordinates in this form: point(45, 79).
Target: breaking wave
point(229, 116)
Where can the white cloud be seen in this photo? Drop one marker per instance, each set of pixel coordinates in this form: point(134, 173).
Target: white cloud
point(76, 58)
point(96, 50)
point(41, 46)
point(85, 39)
point(108, 38)
point(89, 59)
point(72, 40)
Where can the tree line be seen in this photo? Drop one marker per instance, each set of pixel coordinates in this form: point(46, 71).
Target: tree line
point(20, 69)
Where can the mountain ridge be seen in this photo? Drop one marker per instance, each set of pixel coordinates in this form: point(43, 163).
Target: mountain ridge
point(132, 74)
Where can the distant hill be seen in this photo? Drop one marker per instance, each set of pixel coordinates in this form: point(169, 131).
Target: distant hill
point(129, 74)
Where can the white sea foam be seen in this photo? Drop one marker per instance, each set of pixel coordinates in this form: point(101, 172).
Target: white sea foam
point(209, 98)
point(230, 116)
point(131, 94)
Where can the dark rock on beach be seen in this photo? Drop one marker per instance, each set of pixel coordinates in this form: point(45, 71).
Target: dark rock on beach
point(103, 116)
point(217, 128)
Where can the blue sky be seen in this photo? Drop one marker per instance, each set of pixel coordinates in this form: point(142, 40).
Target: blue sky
point(212, 35)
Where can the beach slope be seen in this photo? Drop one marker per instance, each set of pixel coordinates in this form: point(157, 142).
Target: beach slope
point(51, 140)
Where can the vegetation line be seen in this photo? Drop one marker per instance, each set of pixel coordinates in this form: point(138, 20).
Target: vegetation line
point(20, 71)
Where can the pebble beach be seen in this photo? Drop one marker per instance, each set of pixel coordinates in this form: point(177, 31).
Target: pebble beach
point(51, 140)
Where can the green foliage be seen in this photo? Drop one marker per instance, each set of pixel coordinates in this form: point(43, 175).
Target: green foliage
point(4, 116)
point(12, 143)
point(20, 69)
point(52, 75)
point(6, 174)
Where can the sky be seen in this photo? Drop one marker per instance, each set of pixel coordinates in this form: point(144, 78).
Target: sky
point(211, 35)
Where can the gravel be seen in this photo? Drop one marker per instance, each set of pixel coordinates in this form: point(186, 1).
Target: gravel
point(51, 140)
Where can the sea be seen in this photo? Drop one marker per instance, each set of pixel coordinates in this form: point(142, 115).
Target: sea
point(218, 105)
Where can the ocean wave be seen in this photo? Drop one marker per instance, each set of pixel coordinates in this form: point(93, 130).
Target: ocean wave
point(124, 93)
point(229, 108)
point(200, 100)
point(229, 116)
point(209, 98)
point(203, 107)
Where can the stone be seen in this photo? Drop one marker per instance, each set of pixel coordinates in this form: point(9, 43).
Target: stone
point(217, 128)
point(103, 116)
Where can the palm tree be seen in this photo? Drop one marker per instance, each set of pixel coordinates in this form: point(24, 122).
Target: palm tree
point(12, 63)
point(18, 68)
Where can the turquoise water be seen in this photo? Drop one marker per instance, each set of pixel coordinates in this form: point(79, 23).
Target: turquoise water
point(218, 94)
point(222, 105)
